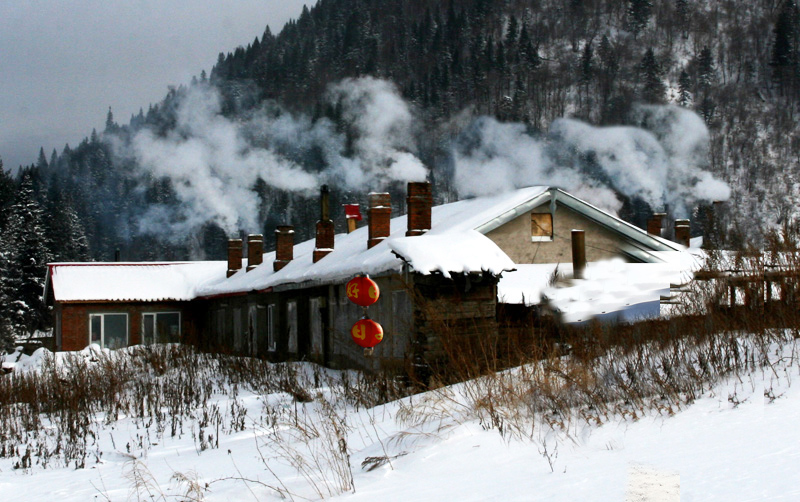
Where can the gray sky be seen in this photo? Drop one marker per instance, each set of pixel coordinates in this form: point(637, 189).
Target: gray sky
point(63, 63)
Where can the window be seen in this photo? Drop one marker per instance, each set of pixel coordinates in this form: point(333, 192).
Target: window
point(316, 326)
point(237, 330)
point(219, 322)
point(110, 331)
point(272, 342)
point(291, 322)
point(161, 327)
point(252, 328)
point(541, 227)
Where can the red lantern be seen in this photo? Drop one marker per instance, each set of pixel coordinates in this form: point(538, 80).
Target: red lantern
point(363, 291)
point(367, 333)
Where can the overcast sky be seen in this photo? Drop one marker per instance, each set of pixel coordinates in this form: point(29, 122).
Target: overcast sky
point(63, 63)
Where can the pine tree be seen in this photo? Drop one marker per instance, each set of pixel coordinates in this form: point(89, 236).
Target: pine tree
point(609, 67)
point(6, 331)
point(652, 88)
point(682, 13)
point(7, 190)
point(684, 86)
point(639, 15)
point(706, 73)
point(24, 247)
point(66, 234)
point(111, 126)
point(587, 64)
point(785, 48)
point(41, 163)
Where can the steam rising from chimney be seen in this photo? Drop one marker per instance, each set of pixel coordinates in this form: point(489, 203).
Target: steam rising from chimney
point(384, 128)
point(214, 162)
point(663, 162)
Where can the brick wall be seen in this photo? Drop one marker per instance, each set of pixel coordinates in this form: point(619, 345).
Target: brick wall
point(75, 320)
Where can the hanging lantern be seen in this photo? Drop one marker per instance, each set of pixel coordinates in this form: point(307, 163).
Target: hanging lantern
point(367, 333)
point(363, 291)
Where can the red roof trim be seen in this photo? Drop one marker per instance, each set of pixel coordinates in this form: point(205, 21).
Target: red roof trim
point(121, 264)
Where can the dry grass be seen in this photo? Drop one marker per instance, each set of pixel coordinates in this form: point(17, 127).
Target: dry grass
point(53, 416)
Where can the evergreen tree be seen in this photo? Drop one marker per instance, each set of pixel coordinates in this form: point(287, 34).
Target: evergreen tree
point(7, 190)
point(652, 88)
point(684, 86)
point(25, 257)
point(587, 64)
point(639, 12)
point(41, 163)
point(111, 126)
point(609, 66)
point(706, 73)
point(66, 235)
point(785, 47)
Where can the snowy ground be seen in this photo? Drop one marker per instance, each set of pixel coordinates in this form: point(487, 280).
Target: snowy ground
point(738, 442)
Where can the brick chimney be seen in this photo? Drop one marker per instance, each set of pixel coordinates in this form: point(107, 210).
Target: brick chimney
point(682, 232)
point(380, 214)
point(234, 256)
point(284, 246)
point(325, 230)
point(419, 202)
point(352, 213)
point(255, 251)
point(655, 224)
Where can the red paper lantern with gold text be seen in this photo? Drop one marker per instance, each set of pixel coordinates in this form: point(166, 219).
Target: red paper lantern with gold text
point(363, 291)
point(367, 333)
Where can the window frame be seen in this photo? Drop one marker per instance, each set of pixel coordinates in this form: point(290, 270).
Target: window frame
point(102, 315)
point(316, 325)
point(292, 319)
point(542, 238)
point(253, 318)
point(238, 331)
point(272, 340)
point(155, 324)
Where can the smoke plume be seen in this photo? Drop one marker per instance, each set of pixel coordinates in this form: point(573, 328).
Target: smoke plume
point(215, 162)
point(663, 162)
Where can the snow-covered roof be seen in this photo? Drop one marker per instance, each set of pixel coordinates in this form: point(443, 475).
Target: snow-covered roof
point(609, 285)
point(456, 243)
point(451, 224)
point(457, 252)
point(144, 282)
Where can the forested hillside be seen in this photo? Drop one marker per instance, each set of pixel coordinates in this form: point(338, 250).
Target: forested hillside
point(452, 77)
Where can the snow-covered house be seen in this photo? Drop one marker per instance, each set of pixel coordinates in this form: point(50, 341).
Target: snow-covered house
point(437, 265)
point(120, 304)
